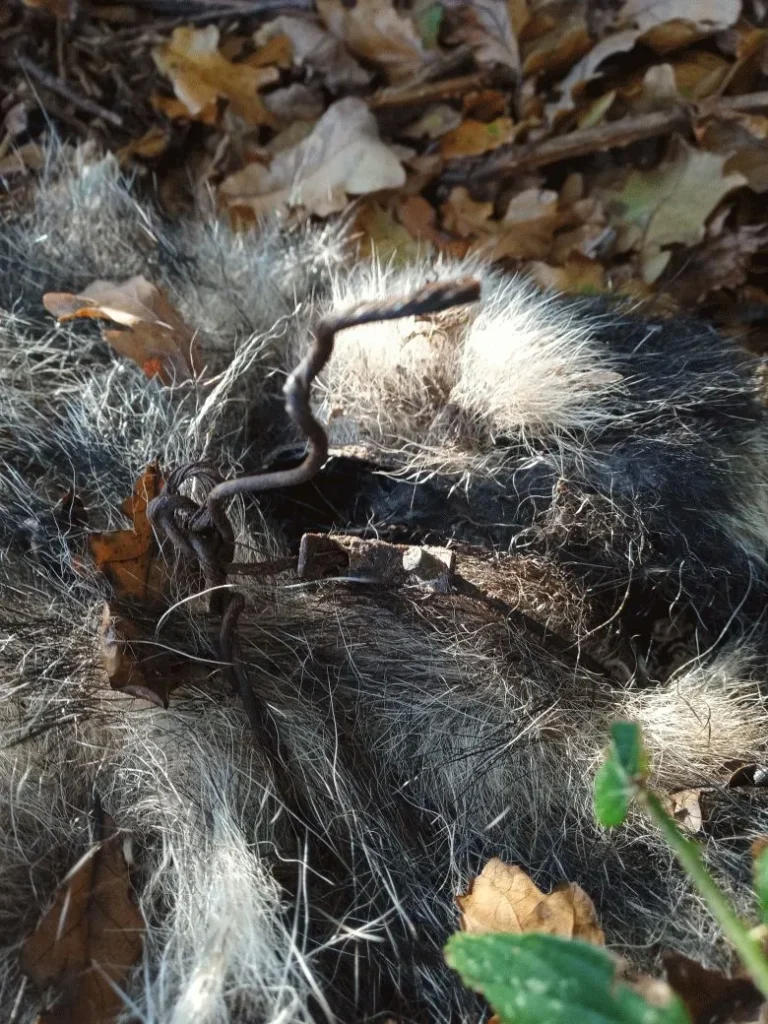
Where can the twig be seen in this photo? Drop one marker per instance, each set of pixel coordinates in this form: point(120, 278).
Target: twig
point(515, 159)
point(428, 92)
point(614, 135)
point(64, 90)
point(212, 11)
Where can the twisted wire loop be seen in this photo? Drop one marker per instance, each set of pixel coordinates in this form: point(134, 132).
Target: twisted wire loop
point(203, 533)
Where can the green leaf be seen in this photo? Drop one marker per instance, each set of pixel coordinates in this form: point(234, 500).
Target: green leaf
point(628, 746)
point(613, 793)
point(428, 24)
point(533, 978)
point(616, 781)
point(761, 883)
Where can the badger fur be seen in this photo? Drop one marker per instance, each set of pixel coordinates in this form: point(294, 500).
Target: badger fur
point(601, 479)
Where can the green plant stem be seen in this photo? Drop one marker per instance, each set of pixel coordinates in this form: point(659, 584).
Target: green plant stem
point(688, 854)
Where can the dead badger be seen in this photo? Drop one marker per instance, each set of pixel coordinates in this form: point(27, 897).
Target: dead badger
point(536, 516)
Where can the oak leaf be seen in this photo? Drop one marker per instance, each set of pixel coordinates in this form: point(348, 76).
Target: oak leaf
point(377, 32)
point(316, 49)
point(668, 205)
point(132, 661)
point(130, 558)
point(200, 74)
point(385, 239)
point(342, 156)
point(84, 946)
point(486, 26)
point(152, 143)
point(504, 899)
point(156, 337)
point(174, 109)
point(473, 138)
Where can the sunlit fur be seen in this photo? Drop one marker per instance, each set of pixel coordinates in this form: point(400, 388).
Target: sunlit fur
point(610, 491)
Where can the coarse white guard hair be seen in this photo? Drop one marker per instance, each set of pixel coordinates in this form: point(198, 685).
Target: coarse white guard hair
point(599, 487)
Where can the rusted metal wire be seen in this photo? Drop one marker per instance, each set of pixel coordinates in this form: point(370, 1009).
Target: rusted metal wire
point(204, 534)
point(188, 526)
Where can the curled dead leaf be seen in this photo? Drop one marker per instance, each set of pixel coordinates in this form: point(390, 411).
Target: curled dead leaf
point(131, 558)
point(156, 337)
point(504, 899)
point(87, 942)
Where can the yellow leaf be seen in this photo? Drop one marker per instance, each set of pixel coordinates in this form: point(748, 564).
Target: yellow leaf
point(200, 74)
point(504, 899)
point(277, 50)
point(87, 942)
point(472, 138)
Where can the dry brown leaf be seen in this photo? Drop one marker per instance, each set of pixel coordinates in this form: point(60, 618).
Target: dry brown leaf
point(486, 27)
point(29, 157)
point(316, 49)
point(651, 210)
point(152, 144)
point(200, 74)
point(743, 139)
point(277, 50)
point(377, 32)
point(342, 156)
point(710, 995)
point(504, 899)
point(384, 238)
point(87, 942)
point(589, 68)
point(706, 15)
point(720, 262)
point(684, 807)
point(465, 217)
point(436, 121)
point(559, 48)
point(58, 8)
point(578, 276)
point(174, 110)
point(295, 102)
point(130, 559)
point(131, 666)
point(156, 337)
point(420, 218)
point(472, 138)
